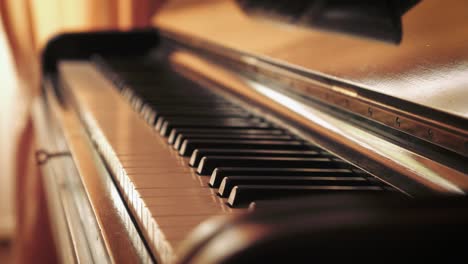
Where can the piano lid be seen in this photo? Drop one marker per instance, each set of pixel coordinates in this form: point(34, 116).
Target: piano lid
point(380, 20)
point(429, 67)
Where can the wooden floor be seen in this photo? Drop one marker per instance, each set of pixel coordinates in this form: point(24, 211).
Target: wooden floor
point(5, 252)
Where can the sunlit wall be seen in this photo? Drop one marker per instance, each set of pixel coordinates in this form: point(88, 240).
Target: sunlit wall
point(8, 92)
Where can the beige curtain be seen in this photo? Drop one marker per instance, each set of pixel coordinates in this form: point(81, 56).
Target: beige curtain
point(25, 27)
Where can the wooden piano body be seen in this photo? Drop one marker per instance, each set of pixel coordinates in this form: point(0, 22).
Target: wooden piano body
point(336, 114)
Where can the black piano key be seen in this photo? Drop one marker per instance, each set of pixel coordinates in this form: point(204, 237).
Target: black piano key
point(172, 86)
point(184, 136)
point(228, 183)
point(188, 146)
point(183, 120)
point(166, 104)
point(159, 83)
point(168, 125)
point(159, 121)
point(185, 95)
point(180, 89)
point(161, 109)
point(193, 111)
point(155, 91)
point(209, 163)
point(192, 108)
point(242, 195)
point(197, 106)
point(224, 124)
point(219, 173)
point(180, 96)
point(198, 154)
point(169, 121)
point(185, 101)
point(176, 131)
point(203, 112)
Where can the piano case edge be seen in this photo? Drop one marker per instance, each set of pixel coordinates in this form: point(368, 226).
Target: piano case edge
point(82, 45)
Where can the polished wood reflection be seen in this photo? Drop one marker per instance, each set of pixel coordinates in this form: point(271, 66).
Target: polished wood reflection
point(344, 137)
point(428, 67)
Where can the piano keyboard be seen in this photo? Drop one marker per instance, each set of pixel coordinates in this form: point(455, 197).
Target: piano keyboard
point(181, 153)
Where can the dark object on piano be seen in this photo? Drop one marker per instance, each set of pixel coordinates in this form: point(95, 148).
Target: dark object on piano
point(379, 20)
point(335, 228)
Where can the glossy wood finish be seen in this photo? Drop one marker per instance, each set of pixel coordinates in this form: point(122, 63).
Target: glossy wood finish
point(60, 209)
point(388, 161)
point(167, 198)
point(428, 68)
point(89, 216)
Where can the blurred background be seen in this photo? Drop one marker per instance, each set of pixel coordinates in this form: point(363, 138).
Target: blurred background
point(25, 27)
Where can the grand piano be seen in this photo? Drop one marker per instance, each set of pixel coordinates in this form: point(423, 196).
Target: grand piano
point(247, 131)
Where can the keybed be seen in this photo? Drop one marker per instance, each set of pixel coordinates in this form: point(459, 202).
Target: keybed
point(181, 153)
